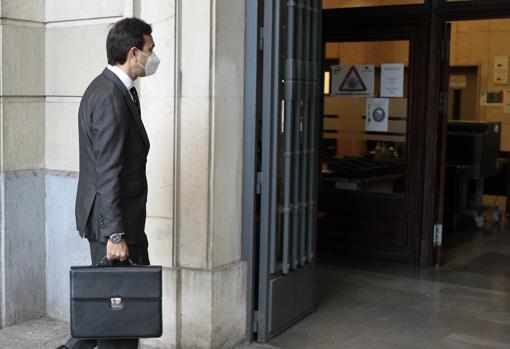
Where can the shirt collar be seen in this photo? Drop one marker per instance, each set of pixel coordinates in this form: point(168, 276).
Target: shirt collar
point(126, 80)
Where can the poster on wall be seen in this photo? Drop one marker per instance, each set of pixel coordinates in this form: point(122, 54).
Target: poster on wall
point(392, 80)
point(353, 80)
point(377, 115)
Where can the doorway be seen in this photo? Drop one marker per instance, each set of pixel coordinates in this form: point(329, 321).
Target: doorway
point(381, 189)
point(477, 147)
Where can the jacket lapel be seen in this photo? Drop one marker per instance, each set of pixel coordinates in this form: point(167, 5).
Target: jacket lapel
point(132, 108)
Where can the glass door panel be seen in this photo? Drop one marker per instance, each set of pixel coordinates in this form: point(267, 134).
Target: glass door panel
point(366, 116)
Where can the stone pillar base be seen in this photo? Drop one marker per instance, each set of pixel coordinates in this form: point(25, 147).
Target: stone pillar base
point(213, 307)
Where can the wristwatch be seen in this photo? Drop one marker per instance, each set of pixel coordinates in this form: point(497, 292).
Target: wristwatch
point(116, 237)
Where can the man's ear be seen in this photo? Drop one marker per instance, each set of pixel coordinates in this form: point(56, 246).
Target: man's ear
point(131, 52)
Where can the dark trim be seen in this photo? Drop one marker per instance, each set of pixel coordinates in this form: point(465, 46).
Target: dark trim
point(472, 9)
point(249, 156)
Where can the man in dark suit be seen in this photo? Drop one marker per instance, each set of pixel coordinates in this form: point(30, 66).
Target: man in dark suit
point(112, 186)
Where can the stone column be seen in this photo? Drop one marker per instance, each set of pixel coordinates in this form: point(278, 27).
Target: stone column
point(22, 253)
point(212, 294)
point(158, 101)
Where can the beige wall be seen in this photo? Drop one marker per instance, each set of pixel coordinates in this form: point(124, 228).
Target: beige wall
point(476, 43)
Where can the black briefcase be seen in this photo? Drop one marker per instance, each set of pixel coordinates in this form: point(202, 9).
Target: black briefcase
point(116, 301)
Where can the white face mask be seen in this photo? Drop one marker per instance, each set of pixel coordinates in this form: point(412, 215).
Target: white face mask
point(151, 65)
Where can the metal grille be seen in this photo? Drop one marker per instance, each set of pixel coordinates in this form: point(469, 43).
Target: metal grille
point(290, 100)
point(294, 118)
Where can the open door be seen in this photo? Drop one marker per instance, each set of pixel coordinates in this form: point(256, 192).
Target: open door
point(289, 167)
point(372, 184)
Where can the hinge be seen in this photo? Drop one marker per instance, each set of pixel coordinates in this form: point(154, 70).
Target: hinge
point(259, 182)
point(255, 321)
point(445, 50)
point(438, 234)
point(261, 38)
point(443, 102)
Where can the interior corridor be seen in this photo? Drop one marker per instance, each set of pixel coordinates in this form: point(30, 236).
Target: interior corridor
point(372, 304)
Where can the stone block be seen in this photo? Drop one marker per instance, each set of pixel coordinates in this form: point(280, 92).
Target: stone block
point(228, 183)
point(75, 55)
point(161, 243)
point(161, 15)
point(194, 174)
point(229, 48)
point(196, 308)
point(61, 149)
point(158, 117)
point(58, 10)
point(23, 59)
point(30, 10)
point(24, 247)
point(170, 320)
point(229, 305)
point(64, 246)
point(23, 133)
point(196, 49)
point(213, 307)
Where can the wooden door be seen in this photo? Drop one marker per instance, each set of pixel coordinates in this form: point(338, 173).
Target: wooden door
point(370, 199)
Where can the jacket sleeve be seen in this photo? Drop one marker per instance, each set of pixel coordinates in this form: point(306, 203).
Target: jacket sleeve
point(110, 127)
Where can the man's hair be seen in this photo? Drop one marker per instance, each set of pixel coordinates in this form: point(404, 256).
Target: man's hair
point(125, 34)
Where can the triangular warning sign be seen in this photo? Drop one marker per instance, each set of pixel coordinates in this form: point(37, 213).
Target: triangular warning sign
point(352, 82)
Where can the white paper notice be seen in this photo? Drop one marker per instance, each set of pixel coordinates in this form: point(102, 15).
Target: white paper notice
point(392, 80)
point(353, 80)
point(377, 114)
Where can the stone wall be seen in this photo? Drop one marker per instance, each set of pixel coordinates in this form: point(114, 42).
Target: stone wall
point(193, 112)
point(22, 136)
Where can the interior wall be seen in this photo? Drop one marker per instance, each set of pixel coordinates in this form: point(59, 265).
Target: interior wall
point(477, 43)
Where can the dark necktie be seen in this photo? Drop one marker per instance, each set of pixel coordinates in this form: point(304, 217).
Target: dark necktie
point(135, 98)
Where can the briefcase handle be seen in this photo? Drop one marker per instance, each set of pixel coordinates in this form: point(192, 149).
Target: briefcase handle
point(105, 258)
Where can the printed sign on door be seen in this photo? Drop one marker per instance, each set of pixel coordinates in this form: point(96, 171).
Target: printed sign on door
point(353, 80)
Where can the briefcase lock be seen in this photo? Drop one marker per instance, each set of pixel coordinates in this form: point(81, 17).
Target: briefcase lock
point(116, 303)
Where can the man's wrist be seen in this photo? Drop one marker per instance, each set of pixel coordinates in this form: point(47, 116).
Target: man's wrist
point(116, 237)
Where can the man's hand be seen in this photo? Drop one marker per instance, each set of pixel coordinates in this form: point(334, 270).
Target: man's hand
point(117, 251)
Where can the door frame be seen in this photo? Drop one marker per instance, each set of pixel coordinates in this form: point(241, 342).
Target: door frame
point(252, 82)
point(437, 13)
point(442, 14)
point(360, 25)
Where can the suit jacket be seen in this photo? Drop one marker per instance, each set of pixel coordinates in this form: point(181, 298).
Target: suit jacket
point(112, 185)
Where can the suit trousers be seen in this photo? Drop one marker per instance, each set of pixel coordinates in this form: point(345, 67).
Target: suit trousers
point(138, 254)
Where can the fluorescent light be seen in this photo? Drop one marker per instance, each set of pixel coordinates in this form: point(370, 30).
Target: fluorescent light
point(327, 78)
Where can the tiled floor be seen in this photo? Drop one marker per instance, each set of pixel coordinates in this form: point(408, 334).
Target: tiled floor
point(368, 304)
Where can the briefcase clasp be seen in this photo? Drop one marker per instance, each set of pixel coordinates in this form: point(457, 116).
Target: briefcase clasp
point(116, 303)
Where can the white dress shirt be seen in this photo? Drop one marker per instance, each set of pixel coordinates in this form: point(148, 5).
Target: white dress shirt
point(126, 80)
